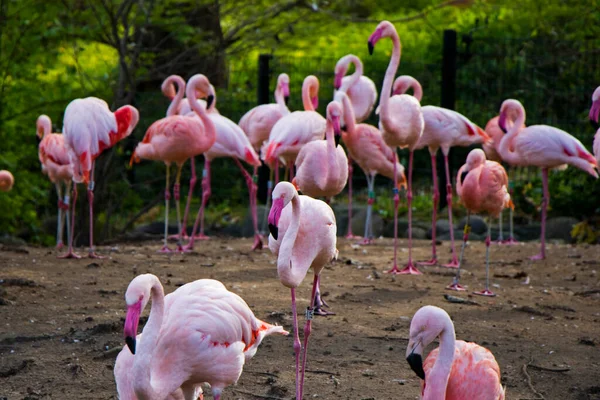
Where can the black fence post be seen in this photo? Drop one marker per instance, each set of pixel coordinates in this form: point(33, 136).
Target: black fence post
point(448, 100)
point(263, 94)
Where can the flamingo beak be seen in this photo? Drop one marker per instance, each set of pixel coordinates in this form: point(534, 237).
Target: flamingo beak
point(315, 102)
point(371, 47)
point(337, 82)
point(209, 100)
point(594, 111)
point(286, 92)
point(502, 122)
point(414, 358)
point(375, 36)
point(463, 175)
point(131, 325)
point(274, 215)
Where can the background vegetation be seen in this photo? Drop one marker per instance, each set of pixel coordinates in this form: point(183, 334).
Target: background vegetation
point(544, 54)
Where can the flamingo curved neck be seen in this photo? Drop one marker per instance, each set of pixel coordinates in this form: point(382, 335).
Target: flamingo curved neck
point(209, 127)
point(358, 72)
point(331, 155)
point(174, 106)
point(144, 354)
point(349, 117)
point(504, 149)
point(287, 245)
point(279, 99)
point(417, 90)
point(436, 381)
point(306, 101)
point(386, 90)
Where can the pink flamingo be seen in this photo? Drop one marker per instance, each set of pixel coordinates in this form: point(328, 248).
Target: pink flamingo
point(200, 333)
point(176, 138)
point(494, 131)
point(54, 157)
point(456, 370)
point(363, 94)
point(294, 130)
point(541, 146)
point(594, 112)
point(89, 128)
point(367, 148)
point(401, 124)
point(482, 186)
point(302, 236)
point(443, 129)
point(7, 180)
point(231, 141)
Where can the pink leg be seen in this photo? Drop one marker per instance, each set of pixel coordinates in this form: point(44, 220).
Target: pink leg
point(455, 285)
point(297, 345)
point(62, 210)
point(183, 234)
point(488, 240)
point(200, 216)
point(454, 262)
point(90, 195)
point(165, 248)
point(350, 235)
point(177, 196)
point(545, 201)
point(307, 330)
point(70, 253)
point(252, 188)
point(436, 200)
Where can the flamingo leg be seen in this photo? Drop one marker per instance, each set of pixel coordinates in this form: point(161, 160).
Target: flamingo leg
point(297, 345)
point(436, 200)
point(200, 216)
point(488, 239)
point(183, 232)
point(368, 238)
point(545, 201)
point(350, 235)
point(90, 195)
point(165, 248)
point(319, 303)
point(500, 239)
point(70, 253)
point(454, 262)
point(59, 222)
point(252, 188)
point(455, 285)
point(307, 330)
point(176, 195)
point(66, 206)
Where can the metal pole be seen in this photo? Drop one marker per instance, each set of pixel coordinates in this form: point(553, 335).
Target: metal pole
point(263, 94)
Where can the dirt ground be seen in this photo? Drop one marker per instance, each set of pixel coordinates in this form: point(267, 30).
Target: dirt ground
point(61, 320)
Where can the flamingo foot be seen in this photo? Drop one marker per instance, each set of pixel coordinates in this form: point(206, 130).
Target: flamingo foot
point(510, 241)
point(351, 236)
point(258, 243)
point(451, 264)
point(318, 306)
point(165, 250)
point(92, 254)
point(188, 248)
point(456, 286)
point(410, 269)
point(366, 241)
point(59, 245)
point(431, 262)
point(485, 292)
point(178, 237)
point(70, 254)
point(179, 248)
point(201, 236)
point(537, 257)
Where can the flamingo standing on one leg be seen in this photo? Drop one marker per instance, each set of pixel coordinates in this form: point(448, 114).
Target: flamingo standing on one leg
point(456, 370)
point(54, 157)
point(363, 94)
point(231, 141)
point(200, 333)
point(482, 186)
point(259, 121)
point(322, 171)
point(89, 128)
point(303, 235)
point(177, 138)
point(7, 180)
point(367, 148)
point(494, 131)
point(541, 146)
point(443, 129)
point(401, 123)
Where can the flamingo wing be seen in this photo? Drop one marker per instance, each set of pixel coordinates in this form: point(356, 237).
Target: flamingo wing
point(231, 141)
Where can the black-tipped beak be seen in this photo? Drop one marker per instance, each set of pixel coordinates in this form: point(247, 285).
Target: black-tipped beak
point(337, 140)
point(130, 341)
point(594, 124)
point(503, 129)
point(274, 231)
point(371, 48)
point(209, 101)
point(416, 364)
point(463, 176)
point(286, 99)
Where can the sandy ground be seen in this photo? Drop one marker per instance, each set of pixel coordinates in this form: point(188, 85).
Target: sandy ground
point(61, 320)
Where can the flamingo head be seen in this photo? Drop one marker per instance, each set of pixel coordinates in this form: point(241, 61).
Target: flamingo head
point(475, 159)
point(283, 84)
point(6, 181)
point(43, 125)
point(199, 86)
point(341, 68)
point(334, 115)
point(283, 193)
point(136, 298)
point(427, 324)
point(508, 111)
point(595, 110)
point(405, 82)
point(384, 29)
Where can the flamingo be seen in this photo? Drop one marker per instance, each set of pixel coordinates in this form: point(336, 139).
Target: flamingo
point(303, 235)
point(54, 157)
point(176, 138)
point(401, 124)
point(296, 129)
point(443, 129)
point(482, 186)
point(542, 146)
point(456, 370)
point(363, 95)
point(231, 141)
point(594, 111)
point(7, 180)
point(494, 131)
point(199, 333)
point(367, 148)
point(89, 128)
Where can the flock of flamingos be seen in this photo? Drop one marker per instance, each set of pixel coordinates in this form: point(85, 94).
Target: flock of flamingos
point(202, 333)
